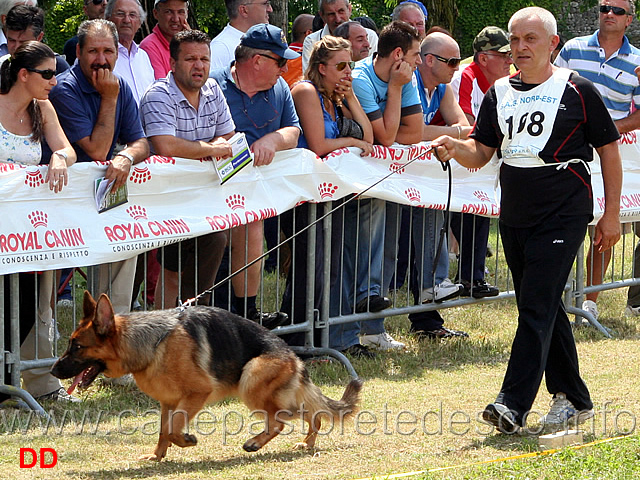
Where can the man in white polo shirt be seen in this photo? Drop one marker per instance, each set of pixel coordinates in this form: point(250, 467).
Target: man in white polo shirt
point(186, 115)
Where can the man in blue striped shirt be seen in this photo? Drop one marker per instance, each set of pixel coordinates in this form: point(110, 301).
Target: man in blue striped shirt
point(608, 60)
point(186, 115)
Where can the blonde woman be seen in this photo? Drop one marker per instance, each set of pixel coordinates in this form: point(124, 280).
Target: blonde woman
point(324, 94)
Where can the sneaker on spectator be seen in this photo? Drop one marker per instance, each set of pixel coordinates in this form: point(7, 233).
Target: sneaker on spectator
point(501, 417)
point(359, 351)
point(444, 291)
point(59, 395)
point(64, 303)
point(268, 320)
point(381, 341)
point(632, 310)
point(442, 332)
point(563, 413)
point(590, 306)
point(482, 289)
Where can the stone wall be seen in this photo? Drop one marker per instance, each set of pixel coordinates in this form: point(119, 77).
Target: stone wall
point(575, 23)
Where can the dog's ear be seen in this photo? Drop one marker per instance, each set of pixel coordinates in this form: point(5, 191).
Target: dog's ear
point(88, 305)
point(103, 321)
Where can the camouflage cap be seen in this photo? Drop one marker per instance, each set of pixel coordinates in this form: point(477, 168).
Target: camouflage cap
point(491, 38)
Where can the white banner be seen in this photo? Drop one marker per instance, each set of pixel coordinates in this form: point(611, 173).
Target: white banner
point(174, 199)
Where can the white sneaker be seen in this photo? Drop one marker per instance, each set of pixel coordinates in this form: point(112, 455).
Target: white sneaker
point(589, 306)
point(444, 291)
point(381, 341)
point(632, 311)
point(562, 413)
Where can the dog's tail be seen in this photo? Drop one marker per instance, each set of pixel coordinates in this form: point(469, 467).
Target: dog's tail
point(316, 403)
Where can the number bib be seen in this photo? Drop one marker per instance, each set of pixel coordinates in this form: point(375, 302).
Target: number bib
point(526, 118)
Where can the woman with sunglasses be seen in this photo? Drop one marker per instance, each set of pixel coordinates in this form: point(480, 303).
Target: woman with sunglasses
point(320, 99)
point(26, 115)
point(326, 92)
point(26, 118)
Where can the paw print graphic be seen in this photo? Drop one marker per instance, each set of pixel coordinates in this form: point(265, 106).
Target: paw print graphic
point(38, 219)
point(236, 201)
point(33, 178)
point(482, 196)
point(137, 212)
point(140, 174)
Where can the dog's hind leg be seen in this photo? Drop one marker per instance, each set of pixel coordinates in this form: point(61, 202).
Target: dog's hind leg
point(163, 441)
point(272, 428)
point(310, 440)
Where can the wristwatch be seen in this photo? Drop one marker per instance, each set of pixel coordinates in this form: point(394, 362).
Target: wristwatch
point(125, 155)
point(62, 154)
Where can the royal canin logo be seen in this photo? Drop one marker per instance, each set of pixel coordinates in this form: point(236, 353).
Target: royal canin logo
point(397, 167)
point(482, 196)
point(22, 242)
point(236, 201)
point(159, 159)
point(33, 178)
point(327, 190)
point(140, 174)
point(38, 219)
point(412, 194)
point(137, 212)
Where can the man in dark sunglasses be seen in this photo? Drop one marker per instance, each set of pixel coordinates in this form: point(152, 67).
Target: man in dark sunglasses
point(608, 60)
point(24, 23)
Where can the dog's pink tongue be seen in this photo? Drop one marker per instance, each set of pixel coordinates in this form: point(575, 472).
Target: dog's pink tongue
point(75, 383)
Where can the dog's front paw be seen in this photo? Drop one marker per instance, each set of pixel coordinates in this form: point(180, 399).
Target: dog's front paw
point(301, 446)
point(152, 456)
point(183, 439)
point(252, 445)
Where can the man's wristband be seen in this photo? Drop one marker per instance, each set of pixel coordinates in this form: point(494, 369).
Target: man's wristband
point(125, 155)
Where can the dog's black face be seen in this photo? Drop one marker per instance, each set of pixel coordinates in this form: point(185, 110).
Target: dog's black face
point(74, 363)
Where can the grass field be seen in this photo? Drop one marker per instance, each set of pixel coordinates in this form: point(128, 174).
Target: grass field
point(419, 411)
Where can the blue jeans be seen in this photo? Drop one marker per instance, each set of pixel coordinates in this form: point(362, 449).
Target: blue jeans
point(425, 230)
point(358, 271)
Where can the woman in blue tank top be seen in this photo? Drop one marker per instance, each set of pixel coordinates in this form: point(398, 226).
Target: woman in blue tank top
point(327, 88)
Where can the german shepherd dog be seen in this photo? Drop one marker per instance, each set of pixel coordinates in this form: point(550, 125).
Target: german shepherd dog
point(185, 359)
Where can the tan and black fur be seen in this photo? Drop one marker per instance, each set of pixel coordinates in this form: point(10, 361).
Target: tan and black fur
point(185, 359)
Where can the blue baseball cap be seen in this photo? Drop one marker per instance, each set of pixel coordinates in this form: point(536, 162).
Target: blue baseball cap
point(264, 36)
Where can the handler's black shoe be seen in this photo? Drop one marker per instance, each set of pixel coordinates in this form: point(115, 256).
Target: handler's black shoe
point(268, 320)
point(501, 417)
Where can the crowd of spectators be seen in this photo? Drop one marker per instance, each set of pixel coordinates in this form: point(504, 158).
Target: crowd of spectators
point(180, 93)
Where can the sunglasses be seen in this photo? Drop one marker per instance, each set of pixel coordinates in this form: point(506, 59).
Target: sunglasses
point(452, 62)
point(95, 2)
point(616, 10)
point(280, 61)
point(342, 65)
point(46, 74)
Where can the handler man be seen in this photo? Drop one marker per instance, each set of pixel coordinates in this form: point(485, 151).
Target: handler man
point(544, 122)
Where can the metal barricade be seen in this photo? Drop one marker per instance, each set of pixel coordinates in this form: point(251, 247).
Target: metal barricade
point(321, 276)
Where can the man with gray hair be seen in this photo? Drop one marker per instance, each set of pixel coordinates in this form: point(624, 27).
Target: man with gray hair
point(546, 121)
point(133, 64)
point(414, 13)
point(357, 35)
point(333, 13)
point(5, 6)
point(96, 109)
point(242, 15)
